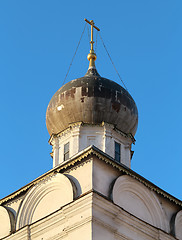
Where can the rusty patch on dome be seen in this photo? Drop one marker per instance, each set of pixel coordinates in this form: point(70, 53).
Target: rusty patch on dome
point(116, 106)
point(70, 93)
point(84, 91)
point(73, 90)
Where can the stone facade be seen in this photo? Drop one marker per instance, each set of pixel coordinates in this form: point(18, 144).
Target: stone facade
point(90, 196)
point(80, 136)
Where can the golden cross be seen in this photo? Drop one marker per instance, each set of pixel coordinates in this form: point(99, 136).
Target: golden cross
point(92, 26)
point(92, 56)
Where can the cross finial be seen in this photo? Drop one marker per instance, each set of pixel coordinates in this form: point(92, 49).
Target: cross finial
point(92, 56)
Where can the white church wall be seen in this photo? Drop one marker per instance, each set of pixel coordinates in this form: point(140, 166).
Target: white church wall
point(103, 177)
point(73, 221)
point(112, 222)
point(14, 204)
point(178, 225)
point(124, 208)
point(139, 201)
point(90, 217)
point(125, 143)
point(91, 135)
point(82, 176)
point(80, 137)
point(6, 222)
point(44, 198)
point(169, 209)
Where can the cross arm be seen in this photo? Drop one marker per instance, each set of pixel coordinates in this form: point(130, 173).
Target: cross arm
point(91, 23)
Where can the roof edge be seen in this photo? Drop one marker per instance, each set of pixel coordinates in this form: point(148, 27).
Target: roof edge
point(79, 157)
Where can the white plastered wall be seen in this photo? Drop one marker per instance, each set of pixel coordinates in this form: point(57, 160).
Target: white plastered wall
point(81, 136)
point(111, 217)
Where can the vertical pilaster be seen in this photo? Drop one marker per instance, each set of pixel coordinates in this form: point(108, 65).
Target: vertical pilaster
point(108, 143)
point(55, 149)
point(75, 140)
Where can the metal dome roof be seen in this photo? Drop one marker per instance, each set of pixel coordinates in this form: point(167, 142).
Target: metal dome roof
point(92, 99)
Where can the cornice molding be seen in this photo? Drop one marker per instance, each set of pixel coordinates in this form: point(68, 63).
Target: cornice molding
point(80, 158)
point(79, 124)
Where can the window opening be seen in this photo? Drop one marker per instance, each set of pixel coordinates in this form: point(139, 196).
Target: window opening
point(66, 151)
point(117, 151)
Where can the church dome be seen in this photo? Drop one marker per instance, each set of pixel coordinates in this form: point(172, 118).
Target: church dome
point(92, 99)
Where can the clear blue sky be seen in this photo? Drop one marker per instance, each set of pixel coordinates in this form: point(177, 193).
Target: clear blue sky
point(37, 42)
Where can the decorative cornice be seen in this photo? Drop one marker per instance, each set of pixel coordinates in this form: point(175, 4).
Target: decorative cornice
point(126, 135)
point(79, 124)
point(128, 171)
point(82, 156)
point(64, 132)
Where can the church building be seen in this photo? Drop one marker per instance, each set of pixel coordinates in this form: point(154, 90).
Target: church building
point(91, 193)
